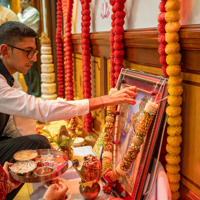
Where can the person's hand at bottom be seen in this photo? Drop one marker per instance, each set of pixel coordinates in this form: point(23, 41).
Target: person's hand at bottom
point(56, 191)
point(11, 180)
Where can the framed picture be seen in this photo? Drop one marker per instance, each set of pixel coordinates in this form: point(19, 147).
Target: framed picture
point(149, 87)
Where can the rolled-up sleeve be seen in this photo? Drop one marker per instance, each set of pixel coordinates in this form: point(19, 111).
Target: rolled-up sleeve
point(15, 102)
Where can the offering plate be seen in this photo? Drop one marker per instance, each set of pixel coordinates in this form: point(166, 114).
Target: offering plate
point(57, 168)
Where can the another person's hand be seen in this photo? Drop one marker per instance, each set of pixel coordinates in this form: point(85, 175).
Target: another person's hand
point(56, 191)
point(15, 184)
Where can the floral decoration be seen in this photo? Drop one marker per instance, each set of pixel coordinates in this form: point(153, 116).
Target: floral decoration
point(60, 74)
point(86, 64)
point(169, 49)
point(67, 7)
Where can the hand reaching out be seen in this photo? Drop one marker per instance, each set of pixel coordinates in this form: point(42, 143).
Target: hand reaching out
point(126, 95)
point(56, 191)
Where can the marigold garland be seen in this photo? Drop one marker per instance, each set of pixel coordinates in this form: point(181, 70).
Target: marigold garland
point(170, 14)
point(86, 67)
point(59, 53)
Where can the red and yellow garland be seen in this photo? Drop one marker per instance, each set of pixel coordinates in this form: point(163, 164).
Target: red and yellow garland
point(86, 68)
point(60, 77)
point(175, 90)
point(67, 6)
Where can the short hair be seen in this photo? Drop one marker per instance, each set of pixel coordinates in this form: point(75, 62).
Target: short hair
point(12, 32)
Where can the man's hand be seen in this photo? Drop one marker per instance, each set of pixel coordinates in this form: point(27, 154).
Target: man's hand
point(126, 95)
point(14, 183)
point(56, 191)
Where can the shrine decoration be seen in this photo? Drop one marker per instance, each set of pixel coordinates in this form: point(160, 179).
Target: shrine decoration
point(67, 7)
point(136, 141)
point(161, 37)
point(60, 74)
point(116, 40)
point(171, 8)
point(175, 90)
point(86, 64)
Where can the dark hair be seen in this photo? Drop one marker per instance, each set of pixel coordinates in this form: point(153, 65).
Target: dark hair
point(13, 32)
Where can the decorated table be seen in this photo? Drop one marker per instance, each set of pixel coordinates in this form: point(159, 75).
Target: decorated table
point(72, 178)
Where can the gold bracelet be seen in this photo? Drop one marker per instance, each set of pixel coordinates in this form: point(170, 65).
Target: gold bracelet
point(9, 186)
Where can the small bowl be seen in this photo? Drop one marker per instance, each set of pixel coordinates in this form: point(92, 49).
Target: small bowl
point(25, 155)
point(29, 167)
point(44, 171)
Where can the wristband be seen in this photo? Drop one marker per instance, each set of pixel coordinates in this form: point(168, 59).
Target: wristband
point(102, 103)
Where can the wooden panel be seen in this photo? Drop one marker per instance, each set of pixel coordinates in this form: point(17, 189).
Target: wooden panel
point(186, 194)
point(141, 46)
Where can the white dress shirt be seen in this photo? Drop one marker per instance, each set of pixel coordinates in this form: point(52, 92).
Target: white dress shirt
point(30, 17)
point(19, 103)
point(7, 15)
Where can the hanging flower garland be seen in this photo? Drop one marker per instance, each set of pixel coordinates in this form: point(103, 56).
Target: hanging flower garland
point(59, 53)
point(118, 9)
point(175, 91)
point(86, 68)
point(112, 63)
point(67, 6)
point(134, 147)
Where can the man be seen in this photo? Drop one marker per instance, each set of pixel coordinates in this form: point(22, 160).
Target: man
point(17, 53)
point(7, 15)
point(31, 17)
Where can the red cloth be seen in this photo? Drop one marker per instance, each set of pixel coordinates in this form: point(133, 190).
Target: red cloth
point(3, 183)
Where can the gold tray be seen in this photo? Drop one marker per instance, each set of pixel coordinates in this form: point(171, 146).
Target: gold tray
point(58, 169)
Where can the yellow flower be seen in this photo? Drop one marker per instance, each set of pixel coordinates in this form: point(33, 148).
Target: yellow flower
point(174, 100)
point(173, 168)
point(172, 48)
point(173, 150)
point(173, 111)
point(172, 16)
point(175, 90)
point(174, 130)
point(173, 59)
point(174, 186)
point(173, 178)
point(174, 141)
point(172, 37)
point(173, 70)
point(175, 195)
point(172, 27)
point(173, 160)
point(174, 121)
point(175, 80)
point(173, 5)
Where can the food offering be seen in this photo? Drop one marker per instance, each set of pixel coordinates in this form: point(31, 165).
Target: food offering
point(23, 168)
point(48, 164)
point(25, 155)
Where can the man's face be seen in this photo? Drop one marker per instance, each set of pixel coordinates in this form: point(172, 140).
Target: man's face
point(25, 3)
point(18, 60)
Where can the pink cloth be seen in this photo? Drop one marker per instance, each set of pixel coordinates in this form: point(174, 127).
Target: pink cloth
point(161, 189)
